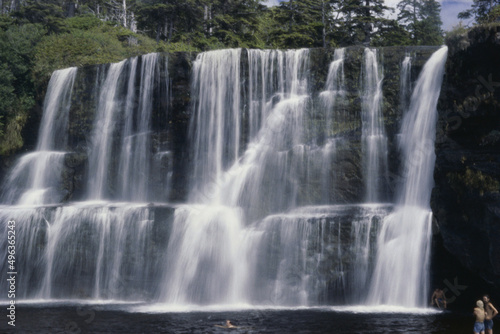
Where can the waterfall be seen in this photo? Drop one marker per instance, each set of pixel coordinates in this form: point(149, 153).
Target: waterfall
point(374, 139)
point(89, 252)
point(215, 127)
point(206, 262)
point(334, 92)
point(401, 273)
point(405, 83)
point(104, 129)
point(272, 214)
point(124, 111)
point(34, 179)
point(332, 99)
point(298, 256)
point(135, 153)
point(84, 250)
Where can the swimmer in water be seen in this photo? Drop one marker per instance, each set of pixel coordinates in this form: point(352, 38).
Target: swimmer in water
point(227, 325)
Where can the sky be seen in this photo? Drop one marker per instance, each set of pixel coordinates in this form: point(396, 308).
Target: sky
point(449, 10)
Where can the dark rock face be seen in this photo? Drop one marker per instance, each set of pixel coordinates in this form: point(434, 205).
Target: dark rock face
point(466, 199)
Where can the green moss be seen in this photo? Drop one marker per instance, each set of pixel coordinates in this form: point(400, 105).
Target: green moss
point(475, 180)
point(11, 139)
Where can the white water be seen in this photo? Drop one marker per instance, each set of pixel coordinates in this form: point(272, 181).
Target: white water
point(207, 259)
point(260, 227)
point(405, 83)
point(124, 111)
point(215, 127)
point(374, 139)
point(35, 178)
point(401, 272)
point(104, 128)
point(333, 99)
point(334, 92)
point(92, 249)
point(134, 167)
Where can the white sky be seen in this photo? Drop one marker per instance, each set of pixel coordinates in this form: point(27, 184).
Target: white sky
point(449, 10)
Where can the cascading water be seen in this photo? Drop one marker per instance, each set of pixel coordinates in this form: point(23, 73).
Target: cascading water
point(405, 83)
point(401, 272)
point(135, 157)
point(374, 139)
point(332, 99)
point(210, 232)
point(124, 111)
point(334, 92)
point(104, 128)
point(265, 221)
point(313, 255)
point(215, 127)
point(34, 179)
point(88, 250)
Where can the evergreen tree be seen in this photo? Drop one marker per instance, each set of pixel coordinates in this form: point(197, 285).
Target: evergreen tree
point(409, 14)
point(48, 13)
point(422, 19)
point(429, 28)
point(391, 33)
point(483, 11)
point(169, 20)
point(360, 20)
point(235, 22)
point(299, 23)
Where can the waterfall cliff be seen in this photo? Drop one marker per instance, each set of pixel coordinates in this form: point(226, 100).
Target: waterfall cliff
point(262, 177)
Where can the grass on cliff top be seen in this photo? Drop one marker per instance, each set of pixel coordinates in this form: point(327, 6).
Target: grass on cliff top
point(90, 41)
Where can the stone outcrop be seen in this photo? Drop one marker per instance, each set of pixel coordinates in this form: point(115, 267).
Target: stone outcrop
point(466, 198)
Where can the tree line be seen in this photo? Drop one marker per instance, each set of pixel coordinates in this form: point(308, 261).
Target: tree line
point(206, 24)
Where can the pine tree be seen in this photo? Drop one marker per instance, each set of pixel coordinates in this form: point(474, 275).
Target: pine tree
point(483, 11)
point(429, 28)
point(361, 18)
point(299, 23)
point(422, 19)
point(235, 22)
point(409, 13)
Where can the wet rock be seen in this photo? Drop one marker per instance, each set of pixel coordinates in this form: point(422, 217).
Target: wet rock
point(466, 199)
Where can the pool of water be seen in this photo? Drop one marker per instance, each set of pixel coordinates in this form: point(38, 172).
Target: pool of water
point(138, 318)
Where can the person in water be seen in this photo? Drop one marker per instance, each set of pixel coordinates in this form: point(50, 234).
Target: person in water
point(229, 324)
point(438, 298)
point(480, 315)
point(491, 312)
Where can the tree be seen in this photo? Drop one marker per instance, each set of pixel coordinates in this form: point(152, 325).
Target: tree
point(166, 19)
point(429, 28)
point(301, 23)
point(235, 22)
point(391, 33)
point(409, 14)
point(47, 13)
point(360, 20)
point(422, 19)
point(482, 10)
